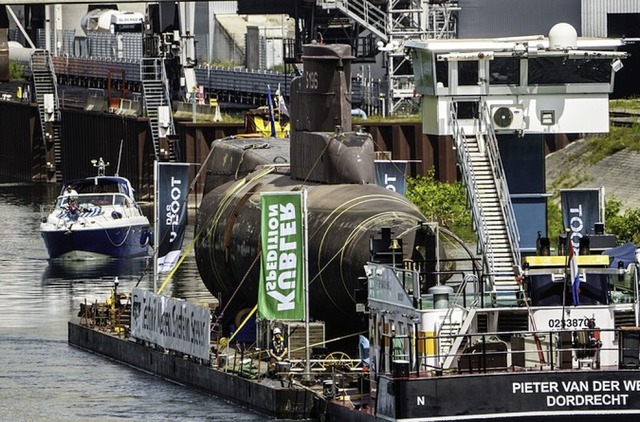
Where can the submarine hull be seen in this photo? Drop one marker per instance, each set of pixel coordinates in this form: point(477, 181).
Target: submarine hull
point(342, 219)
point(347, 213)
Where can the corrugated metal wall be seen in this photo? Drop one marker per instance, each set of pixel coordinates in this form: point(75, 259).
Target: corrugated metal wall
point(89, 135)
point(503, 18)
point(500, 18)
point(224, 7)
point(594, 14)
point(21, 150)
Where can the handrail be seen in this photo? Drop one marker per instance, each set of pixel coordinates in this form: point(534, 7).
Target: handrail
point(548, 348)
point(365, 13)
point(447, 319)
point(46, 64)
point(468, 174)
point(501, 183)
point(167, 95)
point(153, 70)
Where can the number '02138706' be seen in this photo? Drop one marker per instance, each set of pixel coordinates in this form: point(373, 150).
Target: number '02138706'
point(569, 323)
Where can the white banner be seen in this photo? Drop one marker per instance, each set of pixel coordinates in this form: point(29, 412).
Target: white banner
point(170, 323)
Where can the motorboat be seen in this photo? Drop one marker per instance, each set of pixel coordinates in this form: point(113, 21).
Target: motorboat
point(96, 217)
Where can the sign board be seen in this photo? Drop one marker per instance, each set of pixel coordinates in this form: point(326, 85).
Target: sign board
point(282, 266)
point(171, 323)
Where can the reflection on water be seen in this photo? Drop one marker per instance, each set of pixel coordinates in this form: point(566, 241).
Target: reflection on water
point(42, 378)
point(95, 268)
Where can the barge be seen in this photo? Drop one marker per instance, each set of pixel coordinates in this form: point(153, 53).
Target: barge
point(433, 353)
point(511, 334)
point(272, 398)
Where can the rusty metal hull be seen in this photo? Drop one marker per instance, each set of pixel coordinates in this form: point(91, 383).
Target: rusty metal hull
point(342, 219)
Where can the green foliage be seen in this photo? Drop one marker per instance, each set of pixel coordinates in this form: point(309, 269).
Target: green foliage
point(445, 203)
point(569, 179)
point(226, 118)
point(277, 68)
point(625, 104)
point(408, 119)
point(16, 71)
point(606, 144)
point(554, 219)
point(625, 225)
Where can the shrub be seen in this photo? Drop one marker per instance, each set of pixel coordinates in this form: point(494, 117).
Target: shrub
point(444, 203)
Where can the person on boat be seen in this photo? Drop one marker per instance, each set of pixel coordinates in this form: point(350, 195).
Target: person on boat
point(73, 211)
point(70, 191)
point(277, 350)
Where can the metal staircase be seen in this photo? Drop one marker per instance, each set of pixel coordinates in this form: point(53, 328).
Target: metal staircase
point(364, 12)
point(394, 22)
point(489, 200)
point(157, 103)
point(455, 324)
point(452, 336)
point(46, 96)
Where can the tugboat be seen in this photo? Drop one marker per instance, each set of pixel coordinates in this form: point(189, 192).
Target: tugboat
point(448, 353)
point(96, 217)
point(517, 333)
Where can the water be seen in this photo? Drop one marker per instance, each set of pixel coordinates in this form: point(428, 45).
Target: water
point(42, 378)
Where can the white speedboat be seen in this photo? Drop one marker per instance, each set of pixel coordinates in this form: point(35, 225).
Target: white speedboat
point(97, 217)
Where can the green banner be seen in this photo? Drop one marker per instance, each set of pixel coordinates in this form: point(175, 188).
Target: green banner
point(281, 290)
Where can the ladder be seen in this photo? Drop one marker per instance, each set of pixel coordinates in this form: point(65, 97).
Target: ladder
point(46, 96)
point(157, 104)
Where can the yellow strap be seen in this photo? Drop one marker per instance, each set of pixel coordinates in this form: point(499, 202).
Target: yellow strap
point(175, 267)
point(253, 311)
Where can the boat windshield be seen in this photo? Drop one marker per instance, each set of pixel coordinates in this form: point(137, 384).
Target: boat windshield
point(93, 200)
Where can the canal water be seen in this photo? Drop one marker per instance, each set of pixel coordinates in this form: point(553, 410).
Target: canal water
point(42, 378)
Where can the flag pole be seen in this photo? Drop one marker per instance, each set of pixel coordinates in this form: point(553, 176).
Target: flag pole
point(307, 367)
point(566, 275)
point(271, 117)
point(155, 226)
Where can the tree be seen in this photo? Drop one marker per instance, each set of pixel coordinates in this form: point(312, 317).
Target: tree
point(16, 71)
point(444, 203)
point(625, 225)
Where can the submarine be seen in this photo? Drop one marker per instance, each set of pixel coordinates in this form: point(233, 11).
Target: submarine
point(348, 214)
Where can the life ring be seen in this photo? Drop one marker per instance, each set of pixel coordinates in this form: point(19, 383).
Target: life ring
point(240, 316)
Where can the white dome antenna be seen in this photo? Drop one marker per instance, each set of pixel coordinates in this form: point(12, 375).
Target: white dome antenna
point(563, 36)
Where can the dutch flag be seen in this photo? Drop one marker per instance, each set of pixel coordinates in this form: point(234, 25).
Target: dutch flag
point(575, 276)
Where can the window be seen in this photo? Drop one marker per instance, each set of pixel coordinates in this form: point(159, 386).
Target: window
point(504, 71)
point(468, 73)
point(557, 70)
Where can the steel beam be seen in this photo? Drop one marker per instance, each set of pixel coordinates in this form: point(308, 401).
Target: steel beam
point(23, 2)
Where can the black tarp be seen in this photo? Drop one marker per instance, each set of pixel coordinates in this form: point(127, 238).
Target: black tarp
point(625, 254)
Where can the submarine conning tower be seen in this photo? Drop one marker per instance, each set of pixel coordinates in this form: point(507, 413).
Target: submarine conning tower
point(323, 147)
